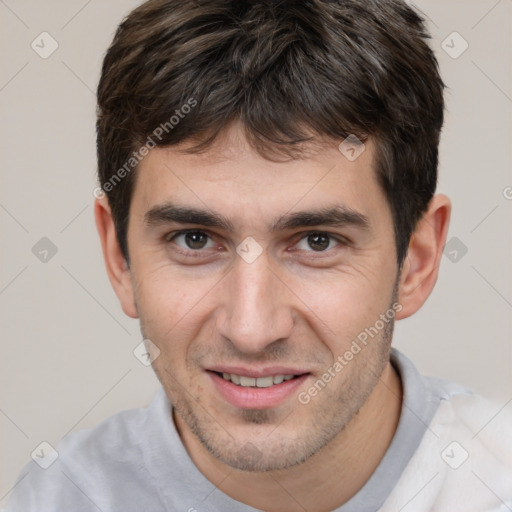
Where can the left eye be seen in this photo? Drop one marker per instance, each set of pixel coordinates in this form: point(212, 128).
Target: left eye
point(317, 241)
point(193, 240)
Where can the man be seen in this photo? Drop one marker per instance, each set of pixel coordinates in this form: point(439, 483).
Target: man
point(267, 211)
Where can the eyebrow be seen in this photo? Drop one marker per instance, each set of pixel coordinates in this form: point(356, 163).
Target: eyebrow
point(337, 215)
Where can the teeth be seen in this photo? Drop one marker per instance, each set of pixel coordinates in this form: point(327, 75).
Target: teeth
point(265, 382)
point(247, 381)
point(260, 382)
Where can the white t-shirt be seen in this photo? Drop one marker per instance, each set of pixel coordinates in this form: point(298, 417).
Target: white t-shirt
point(451, 453)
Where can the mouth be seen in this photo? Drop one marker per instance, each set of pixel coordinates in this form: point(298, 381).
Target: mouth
point(257, 390)
point(255, 382)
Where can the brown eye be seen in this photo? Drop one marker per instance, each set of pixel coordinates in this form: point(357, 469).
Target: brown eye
point(192, 240)
point(196, 240)
point(318, 241)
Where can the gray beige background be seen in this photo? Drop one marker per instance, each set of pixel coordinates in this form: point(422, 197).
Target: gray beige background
point(67, 348)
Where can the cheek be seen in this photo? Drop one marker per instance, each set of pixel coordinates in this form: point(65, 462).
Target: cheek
point(171, 307)
point(341, 304)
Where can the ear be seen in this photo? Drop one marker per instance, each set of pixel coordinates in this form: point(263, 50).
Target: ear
point(421, 265)
point(117, 266)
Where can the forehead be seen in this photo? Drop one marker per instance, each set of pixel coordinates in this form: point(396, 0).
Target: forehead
point(232, 178)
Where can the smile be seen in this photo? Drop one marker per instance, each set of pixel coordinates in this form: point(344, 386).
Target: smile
point(259, 382)
point(268, 389)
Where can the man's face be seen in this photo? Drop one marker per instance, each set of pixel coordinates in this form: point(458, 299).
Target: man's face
point(289, 300)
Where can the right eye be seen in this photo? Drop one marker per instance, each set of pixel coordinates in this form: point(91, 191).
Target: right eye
point(192, 240)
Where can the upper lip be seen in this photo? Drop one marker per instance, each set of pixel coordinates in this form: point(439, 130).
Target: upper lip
point(257, 372)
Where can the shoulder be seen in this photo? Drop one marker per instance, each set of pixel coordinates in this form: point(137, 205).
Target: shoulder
point(92, 468)
point(483, 425)
point(464, 461)
point(117, 439)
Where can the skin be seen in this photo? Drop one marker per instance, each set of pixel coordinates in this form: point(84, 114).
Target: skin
point(292, 306)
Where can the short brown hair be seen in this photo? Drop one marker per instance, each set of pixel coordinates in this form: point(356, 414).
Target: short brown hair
point(285, 69)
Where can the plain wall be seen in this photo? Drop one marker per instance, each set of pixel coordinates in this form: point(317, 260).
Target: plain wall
point(67, 360)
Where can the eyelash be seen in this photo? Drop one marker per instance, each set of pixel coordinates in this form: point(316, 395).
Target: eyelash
point(342, 241)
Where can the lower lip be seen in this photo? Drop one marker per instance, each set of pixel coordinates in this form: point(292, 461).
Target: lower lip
point(256, 398)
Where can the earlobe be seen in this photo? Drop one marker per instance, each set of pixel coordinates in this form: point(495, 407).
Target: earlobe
point(421, 266)
point(117, 267)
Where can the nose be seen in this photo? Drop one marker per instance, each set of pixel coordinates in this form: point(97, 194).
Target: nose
point(256, 309)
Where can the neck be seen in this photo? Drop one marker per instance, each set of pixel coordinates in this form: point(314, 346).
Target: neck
point(326, 480)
